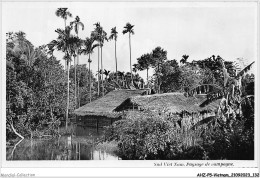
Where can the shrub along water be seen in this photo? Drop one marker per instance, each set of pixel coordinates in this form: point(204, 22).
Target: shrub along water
point(149, 135)
point(154, 135)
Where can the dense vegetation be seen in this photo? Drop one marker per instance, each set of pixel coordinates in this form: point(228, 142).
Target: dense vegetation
point(41, 93)
point(228, 135)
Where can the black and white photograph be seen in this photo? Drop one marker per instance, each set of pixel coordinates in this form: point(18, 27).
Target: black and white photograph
point(131, 84)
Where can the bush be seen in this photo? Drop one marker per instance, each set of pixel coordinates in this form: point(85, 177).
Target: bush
point(146, 135)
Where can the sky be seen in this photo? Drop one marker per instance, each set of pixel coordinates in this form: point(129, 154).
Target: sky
point(200, 30)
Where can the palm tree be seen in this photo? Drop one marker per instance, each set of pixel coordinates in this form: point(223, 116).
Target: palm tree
point(100, 36)
point(184, 59)
point(129, 29)
point(106, 72)
point(95, 35)
point(88, 49)
point(76, 24)
point(65, 42)
point(111, 37)
point(63, 13)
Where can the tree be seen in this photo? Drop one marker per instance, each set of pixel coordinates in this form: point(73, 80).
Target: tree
point(129, 29)
point(76, 23)
point(144, 63)
point(100, 36)
point(111, 37)
point(184, 59)
point(34, 89)
point(96, 35)
point(66, 43)
point(106, 72)
point(231, 130)
point(171, 75)
point(159, 55)
point(63, 13)
point(88, 49)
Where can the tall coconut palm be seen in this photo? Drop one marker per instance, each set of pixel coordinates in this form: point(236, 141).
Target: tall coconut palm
point(63, 13)
point(88, 49)
point(129, 29)
point(65, 42)
point(76, 24)
point(101, 36)
point(111, 37)
point(95, 35)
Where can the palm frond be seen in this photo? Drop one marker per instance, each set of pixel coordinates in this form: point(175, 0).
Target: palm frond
point(245, 70)
point(52, 44)
point(205, 121)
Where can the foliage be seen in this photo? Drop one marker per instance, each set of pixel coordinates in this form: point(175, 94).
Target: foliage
point(171, 74)
point(35, 89)
point(145, 135)
point(233, 140)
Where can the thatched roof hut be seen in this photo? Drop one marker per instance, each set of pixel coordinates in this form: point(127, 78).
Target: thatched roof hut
point(172, 102)
point(106, 105)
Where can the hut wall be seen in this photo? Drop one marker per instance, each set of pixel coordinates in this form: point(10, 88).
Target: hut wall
point(91, 121)
point(189, 120)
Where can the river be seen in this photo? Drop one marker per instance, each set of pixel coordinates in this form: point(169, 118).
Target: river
point(83, 146)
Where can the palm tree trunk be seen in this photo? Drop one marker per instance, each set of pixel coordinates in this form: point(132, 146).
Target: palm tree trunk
point(158, 79)
point(116, 63)
point(102, 83)
point(78, 96)
point(130, 58)
point(65, 62)
point(68, 95)
point(147, 75)
point(75, 78)
point(89, 81)
point(77, 81)
point(98, 74)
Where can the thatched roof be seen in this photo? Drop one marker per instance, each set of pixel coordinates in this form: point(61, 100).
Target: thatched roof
point(175, 102)
point(106, 105)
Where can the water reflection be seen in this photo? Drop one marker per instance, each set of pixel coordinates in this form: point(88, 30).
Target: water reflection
point(82, 147)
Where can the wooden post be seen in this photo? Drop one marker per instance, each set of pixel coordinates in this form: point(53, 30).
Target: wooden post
point(97, 125)
point(79, 151)
point(76, 150)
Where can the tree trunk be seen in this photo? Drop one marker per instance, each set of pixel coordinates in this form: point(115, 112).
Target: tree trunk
point(98, 74)
point(89, 81)
point(68, 94)
point(75, 80)
point(102, 82)
point(130, 58)
point(147, 76)
point(14, 130)
point(158, 79)
point(116, 63)
point(78, 94)
point(66, 66)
